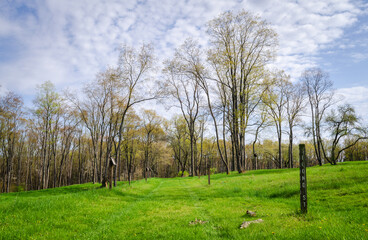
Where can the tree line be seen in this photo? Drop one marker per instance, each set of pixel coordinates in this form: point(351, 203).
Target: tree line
point(234, 112)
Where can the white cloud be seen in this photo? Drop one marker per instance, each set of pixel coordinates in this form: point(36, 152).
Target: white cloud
point(356, 96)
point(305, 28)
point(67, 42)
point(362, 29)
point(359, 56)
point(8, 28)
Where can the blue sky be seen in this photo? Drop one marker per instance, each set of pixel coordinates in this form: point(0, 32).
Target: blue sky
point(347, 57)
point(68, 42)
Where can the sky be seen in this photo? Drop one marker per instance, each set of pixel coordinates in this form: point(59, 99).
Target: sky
point(69, 41)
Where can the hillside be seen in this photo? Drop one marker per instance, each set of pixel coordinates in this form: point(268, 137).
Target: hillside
point(163, 208)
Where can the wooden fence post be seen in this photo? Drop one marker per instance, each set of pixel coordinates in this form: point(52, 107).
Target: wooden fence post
point(207, 156)
point(112, 164)
point(303, 178)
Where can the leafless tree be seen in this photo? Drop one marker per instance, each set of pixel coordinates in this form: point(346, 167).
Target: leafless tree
point(343, 124)
point(151, 132)
point(134, 70)
point(184, 88)
point(47, 112)
point(10, 121)
point(295, 105)
point(276, 101)
point(320, 95)
point(242, 44)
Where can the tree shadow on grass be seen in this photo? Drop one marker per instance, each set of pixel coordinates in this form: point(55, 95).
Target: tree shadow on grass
point(73, 189)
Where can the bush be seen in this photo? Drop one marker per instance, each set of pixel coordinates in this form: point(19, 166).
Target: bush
point(213, 170)
point(20, 189)
point(186, 174)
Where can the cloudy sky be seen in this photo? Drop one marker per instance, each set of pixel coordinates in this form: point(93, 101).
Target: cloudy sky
point(69, 41)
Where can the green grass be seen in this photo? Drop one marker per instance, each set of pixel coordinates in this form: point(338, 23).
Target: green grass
point(163, 208)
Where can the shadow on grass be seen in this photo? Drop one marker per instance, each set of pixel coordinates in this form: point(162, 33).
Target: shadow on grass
point(287, 193)
point(72, 189)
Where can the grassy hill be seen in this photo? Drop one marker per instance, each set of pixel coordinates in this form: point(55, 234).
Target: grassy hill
point(163, 208)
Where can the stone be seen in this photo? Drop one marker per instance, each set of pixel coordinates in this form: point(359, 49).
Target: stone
point(252, 214)
point(247, 223)
point(197, 222)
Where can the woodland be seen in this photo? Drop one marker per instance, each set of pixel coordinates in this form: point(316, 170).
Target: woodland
point(235, 111)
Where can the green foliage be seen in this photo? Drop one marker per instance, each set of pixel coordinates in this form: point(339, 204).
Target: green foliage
point(356, 152)
point(20, 188)
point(213, 170)
point(343, 124)
point(163, 208)
point(180, 174)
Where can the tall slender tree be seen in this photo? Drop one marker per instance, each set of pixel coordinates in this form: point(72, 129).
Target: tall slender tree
point(295, 105)
point(151, 132)
point(241, 46)
point(184, 88)
point(10, 134)
point(320, 96)
point(276, 101)
point(343, 124)
point(47, 112)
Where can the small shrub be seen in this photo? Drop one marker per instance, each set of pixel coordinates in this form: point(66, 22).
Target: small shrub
point(19, 189)
point(213, 170)
point(180, 174)
point(15, 188)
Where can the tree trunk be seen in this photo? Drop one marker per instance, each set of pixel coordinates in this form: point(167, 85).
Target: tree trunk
point(224, 142)
point(9, 172)
point(191, 151)
point(111, 176)
point(280, 153)
point(279, 133)
point(129, 177)
point(291, 159)
point(79, 161)
point(254, 155)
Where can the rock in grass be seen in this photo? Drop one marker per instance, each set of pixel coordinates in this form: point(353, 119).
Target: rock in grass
point(252, 214)
point(197, 222)
point(247, 223)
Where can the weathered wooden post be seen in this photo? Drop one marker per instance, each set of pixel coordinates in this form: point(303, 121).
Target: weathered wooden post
point(112, 164)
point(303, 178)
point(209, 170)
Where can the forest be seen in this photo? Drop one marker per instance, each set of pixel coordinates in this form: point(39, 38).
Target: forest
point(235, 111)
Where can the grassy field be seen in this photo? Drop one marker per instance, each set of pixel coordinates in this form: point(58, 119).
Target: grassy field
point(163, 208)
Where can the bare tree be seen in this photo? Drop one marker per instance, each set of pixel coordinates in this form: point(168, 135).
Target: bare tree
point(10, 121)
point(343, 124)
point(184, 88)
point(130, 142)
point(320, 95)
point(242, 44)
point(47, 111)
point(178, 139)
point(261, 123)
point(151, 132)
point(295, 104)
point(276, 101)
point(134, 72)
point(189, 57)
point(68, 125)
point(92, 111)
point(109, 98)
